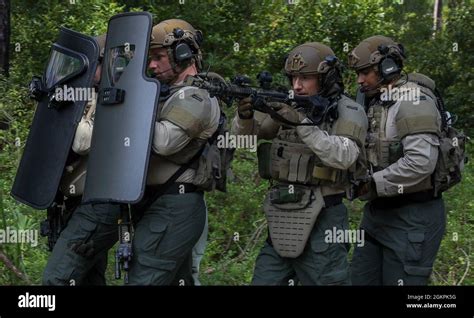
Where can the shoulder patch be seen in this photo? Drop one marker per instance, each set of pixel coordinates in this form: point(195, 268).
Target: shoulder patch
point(422, 117)
point(188, 109)
point(352, 121)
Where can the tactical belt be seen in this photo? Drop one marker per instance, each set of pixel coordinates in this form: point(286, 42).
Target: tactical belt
point(333, 199)
point(152, 193)
point(174, 188)
point(404, 199)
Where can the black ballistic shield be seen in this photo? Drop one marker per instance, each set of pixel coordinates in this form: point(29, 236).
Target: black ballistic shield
point(125, 115)
point(72, 64)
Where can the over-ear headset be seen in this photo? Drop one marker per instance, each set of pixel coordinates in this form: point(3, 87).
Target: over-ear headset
point(332, 76)
point(390, 66)
point(184, 49)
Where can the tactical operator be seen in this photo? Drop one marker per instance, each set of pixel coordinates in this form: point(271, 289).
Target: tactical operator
point(309, 167)
point(403, 221)
point(79, 256)
point(172, 224)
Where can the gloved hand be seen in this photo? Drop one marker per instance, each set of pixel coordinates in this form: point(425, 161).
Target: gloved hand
point(84, 249)
point(367, 191)
point(277, 105)
point(289, 113)
point(245, 108)
point(90, 110)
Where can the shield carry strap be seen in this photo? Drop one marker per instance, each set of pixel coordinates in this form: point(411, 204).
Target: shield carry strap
point(141, 207)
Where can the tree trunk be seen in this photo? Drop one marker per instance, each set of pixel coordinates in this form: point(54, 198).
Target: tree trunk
point(437, 16)
point(4, 34)
point(9, 264)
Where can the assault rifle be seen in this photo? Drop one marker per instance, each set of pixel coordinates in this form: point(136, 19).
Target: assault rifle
point(315, 107)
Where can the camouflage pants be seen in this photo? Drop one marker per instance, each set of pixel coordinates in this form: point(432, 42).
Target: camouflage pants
point(321, 263)
point(164, 239)
point(401, 243)
point(80, 254)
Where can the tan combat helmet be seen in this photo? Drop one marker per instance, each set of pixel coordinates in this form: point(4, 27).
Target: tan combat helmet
point(181, 39)
point(367, 53)
point(315, 58)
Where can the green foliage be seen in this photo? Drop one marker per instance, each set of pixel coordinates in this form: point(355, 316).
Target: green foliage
point(35, 26)
point(246, 37)
point(446, 57)
point(455, 258)
point(236, 225)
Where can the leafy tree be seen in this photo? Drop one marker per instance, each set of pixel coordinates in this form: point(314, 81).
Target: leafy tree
point(245, 37)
